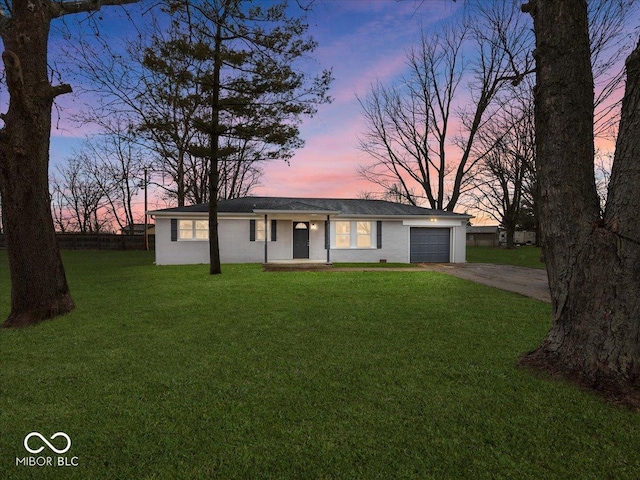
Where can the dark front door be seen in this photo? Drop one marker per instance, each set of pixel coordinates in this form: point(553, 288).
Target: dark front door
point(300, 239)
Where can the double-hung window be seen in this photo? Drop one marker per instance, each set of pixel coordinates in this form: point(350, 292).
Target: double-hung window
point(193, 230)
point(262, 230)
point(363, 235)
point(354, 234)
point(343, 234)
point(259, 231)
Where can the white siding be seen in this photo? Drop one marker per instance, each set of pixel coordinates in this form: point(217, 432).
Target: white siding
point(316, 241)
point(236, 246)
point(459, 243)
point(177, 253)
point(234, 241)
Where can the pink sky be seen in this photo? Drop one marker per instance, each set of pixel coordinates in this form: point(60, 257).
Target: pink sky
point(363, 41)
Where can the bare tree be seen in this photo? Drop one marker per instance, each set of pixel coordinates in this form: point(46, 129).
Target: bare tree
point(610, 42)
point(602, 164)
point(96, 188)
point(240, 171)
point(507, 144)
point(79, 190)
point(410, 128)
point(59, 211)
point(116, 164)
point(150, 82)
point(159, 107)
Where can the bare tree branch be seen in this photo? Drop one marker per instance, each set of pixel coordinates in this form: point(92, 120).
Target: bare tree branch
point(411, 127)
point(61, 8)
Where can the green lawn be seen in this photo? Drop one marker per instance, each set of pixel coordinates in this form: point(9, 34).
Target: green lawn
point(167, 372)
point(520, 256)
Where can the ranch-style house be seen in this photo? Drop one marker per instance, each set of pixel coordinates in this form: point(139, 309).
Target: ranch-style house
point(276, 229)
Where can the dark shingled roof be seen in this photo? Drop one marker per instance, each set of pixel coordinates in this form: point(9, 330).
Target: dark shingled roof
point(342, 206)
point(483, 229)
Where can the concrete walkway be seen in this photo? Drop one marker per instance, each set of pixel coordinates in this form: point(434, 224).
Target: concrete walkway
point(530, 282)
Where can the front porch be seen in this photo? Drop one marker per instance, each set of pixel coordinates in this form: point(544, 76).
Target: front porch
point(304, 229)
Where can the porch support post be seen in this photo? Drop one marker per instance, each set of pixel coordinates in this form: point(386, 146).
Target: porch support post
point(266, 239)
point(328, 238)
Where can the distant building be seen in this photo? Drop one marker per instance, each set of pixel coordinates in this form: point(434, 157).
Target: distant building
point(485, 236)
point(138, 229)
point(520, 237)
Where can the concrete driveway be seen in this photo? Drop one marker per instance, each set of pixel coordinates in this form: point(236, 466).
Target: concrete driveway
point(530, 282)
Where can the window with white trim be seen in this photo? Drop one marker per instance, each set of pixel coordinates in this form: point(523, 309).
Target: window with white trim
point(363, 235)
point(353, 234)
point(193, 230)
point(343, 234)
point(262, 229)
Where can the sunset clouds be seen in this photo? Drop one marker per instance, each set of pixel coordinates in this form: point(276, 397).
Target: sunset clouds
point(363, 41)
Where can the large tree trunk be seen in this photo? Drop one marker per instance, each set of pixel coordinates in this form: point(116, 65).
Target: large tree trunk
point(39, 287)
point(215, 267)
point(593, 263)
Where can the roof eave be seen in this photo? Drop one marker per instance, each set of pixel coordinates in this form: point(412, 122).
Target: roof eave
point(406, 216)
point(172, 214)
point(295, 212)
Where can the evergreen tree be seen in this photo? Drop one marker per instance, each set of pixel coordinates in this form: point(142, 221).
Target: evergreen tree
point(248, 60)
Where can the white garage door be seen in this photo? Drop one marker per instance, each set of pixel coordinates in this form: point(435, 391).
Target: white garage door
point(430, 245)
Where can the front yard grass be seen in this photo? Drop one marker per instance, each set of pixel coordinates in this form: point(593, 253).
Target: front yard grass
point(167, 372)
point(525, 256)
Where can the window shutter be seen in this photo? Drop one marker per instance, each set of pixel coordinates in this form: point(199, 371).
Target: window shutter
point(174, 229)
point(327, 235)
point(252, 230)
point(378, 234)
point(273, 230)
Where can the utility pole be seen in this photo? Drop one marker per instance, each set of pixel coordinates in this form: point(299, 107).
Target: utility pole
point(146, 217)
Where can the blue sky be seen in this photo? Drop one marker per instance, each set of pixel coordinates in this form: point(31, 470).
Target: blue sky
point(361, 40)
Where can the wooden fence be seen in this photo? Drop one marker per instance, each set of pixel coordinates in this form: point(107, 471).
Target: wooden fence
point(98, 241)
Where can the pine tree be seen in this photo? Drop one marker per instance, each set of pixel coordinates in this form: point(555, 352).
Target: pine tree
point(247, 60)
